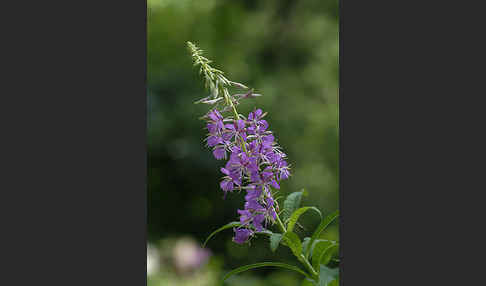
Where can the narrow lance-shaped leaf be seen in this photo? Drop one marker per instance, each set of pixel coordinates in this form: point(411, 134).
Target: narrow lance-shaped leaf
point(308, 282)
point(293, 242)
point(264, 232)
point(305, 244)
point(318, 252)
point(295, 216)
point(324, 223)
point(291, 203)
point(329, 253)
point(327, 275)
point(229, 225)
point(334, 282)
point(275, 241)
point(315, 243)
point(264, 264)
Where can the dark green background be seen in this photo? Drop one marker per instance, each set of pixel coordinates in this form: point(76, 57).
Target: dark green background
point(287, 51)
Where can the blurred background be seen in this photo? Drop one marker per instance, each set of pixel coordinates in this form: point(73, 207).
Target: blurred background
point(286, 50)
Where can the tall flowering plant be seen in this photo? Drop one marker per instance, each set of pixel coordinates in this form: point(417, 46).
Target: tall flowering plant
point(256, 164)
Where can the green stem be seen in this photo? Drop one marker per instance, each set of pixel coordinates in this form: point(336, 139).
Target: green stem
point(281, 225)
point(228, 99)
point(308, 265)
point(237, 116)
point(210, 76)
point(230, 102)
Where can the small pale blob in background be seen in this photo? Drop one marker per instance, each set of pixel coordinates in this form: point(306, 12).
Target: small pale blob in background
point(180, 262)
point(153, 260)
point(188, 255)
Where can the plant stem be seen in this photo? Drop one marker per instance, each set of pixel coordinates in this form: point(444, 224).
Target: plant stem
point(220, 85)
point(282, 226)
point(228, 99)
point(308, 265)
point(208, 71)
point(237, 116)
point(210, 75)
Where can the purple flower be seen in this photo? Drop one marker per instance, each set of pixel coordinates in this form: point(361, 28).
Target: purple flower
point(258, 220)
point(219, 152)
point(255, 163)
point(274, 184)
point(214, 140)
point(245, 216)
point(267, 141)
point(255, 115)
point(270, 211)
point(275, 158)
point(283, 170)
point(216, 121)
point(253, 194)
point(212, 128)
point(240, 162)
point(237, 129)
point(226, 185)
point(253, 205)
point(215, 116)
point(229, 181)
point(257, 125)
point(242, 235)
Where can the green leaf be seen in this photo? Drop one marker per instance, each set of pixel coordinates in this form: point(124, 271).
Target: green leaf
point(327, 275)
point(264, 232)
point(275, 241)
point(229, 225)
point(291, 203)
point(293, 242)
point(308, 282)
point(316, 242)
point(321, 251)
point(264, 264)
point(305, 244)
point(334, 282)
point(330, 253)
point(296, 214)
point(324, 223)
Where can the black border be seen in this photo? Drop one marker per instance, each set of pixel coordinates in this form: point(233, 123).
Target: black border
point(408, 128)
point(74, 144)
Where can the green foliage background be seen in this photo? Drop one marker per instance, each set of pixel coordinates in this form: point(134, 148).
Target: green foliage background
point(286, 50)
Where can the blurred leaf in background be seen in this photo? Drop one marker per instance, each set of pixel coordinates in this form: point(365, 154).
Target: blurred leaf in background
point(286, 50)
